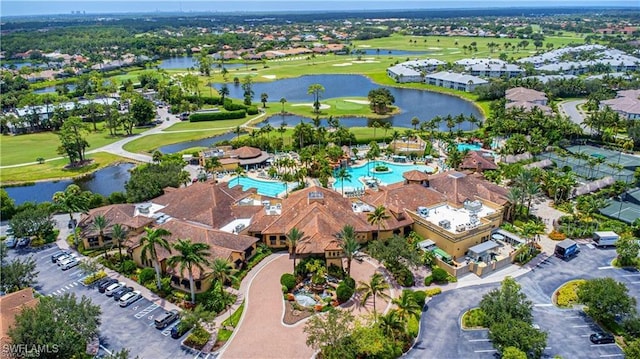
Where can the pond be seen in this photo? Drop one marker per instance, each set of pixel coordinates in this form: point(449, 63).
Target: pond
point(51, 89)
point(104, 181)
point(204, 142)
point(185, 62)
point(414, 103)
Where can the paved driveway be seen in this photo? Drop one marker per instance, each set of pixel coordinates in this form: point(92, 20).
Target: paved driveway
point(441, 335)
point(570, 108)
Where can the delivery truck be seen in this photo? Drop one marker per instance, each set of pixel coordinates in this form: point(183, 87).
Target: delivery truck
point(605, 239)
point(567, 249)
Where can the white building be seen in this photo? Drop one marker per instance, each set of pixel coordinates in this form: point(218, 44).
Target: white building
point(456, 81)
point(404, 74)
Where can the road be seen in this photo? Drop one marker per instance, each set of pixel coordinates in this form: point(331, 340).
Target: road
point(570, 108)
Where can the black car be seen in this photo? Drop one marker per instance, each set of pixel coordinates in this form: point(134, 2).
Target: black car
point(178, 330)
point(103, 286)
point(120, 292)
point(602, 338)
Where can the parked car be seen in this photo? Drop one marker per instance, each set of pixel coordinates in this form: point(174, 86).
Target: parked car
point(113, 288)
point(58, 254)
point(104, 285)
point(602, 338)
point(23, 242)
point(166, 318)
point(62, 264)
point(121, 292)
point(130, 298)
point(63, 259)
point(10, 242)
point(70, 264)
point(178, 330)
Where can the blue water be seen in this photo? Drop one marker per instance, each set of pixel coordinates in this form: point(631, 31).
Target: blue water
point(468, 146)
point(386, 178)
point(292, 120)
point(414, 103)
point(266, 188)
point(51, 89)
point(204, 142)
point(188, 61)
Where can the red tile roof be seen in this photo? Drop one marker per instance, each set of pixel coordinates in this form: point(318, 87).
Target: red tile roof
point(415, 175)
point(477, 161)
point(458, 187)
point(11, 305)
point(123, 214)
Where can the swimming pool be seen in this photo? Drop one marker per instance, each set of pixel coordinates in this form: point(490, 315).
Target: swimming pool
point(267, 188)
point(395, 174)
point(468, 146)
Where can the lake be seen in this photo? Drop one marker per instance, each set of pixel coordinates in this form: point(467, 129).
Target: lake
point(104, 181)
point(414, 103)
point(205, 142)
point(185, 62)
point(51, 89)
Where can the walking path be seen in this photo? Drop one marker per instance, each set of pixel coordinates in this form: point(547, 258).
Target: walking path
point(570, 108)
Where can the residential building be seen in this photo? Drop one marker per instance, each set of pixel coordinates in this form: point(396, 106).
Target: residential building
point(479, 161)
point(627, 104)
point(527, 99)
point(490, 68)
point(456, 81)
point(245, 156)
point(10, 306)
point(404, 74)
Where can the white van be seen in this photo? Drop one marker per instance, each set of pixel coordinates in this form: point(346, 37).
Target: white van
point(605, 239)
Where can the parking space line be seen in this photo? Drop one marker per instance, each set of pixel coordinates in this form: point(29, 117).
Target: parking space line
point(606, 267)
point(479, 340)
point(631, 275)
point(106, 350)
point(48, 250)
point(610, 355)
point(572, 317)
point(579, 326)
point(485, 351)
point(146, 311)
point(635, 282)
point(603, 345)
point(543, 305)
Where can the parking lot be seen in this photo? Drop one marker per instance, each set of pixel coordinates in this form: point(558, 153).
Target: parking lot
point(131, 327)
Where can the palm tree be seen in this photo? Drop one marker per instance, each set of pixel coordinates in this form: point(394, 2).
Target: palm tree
point(349, 245)
point(264, 97)
point(377, 217)
point(391, 324)
point(293, 237)
point(100, 223)
point(407, 306)
point(70, 201)
point(222, 271)
point(211, 164)
point(374, 288)
point(343, 175)
point(154, 237)
point(240, 172)
point(191, 255)
point(118, 235)
point(283, 101)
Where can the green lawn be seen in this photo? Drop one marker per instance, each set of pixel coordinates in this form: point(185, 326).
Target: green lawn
point(148, 144)
point(27, 148)
point(55, 169)
point(206, 125)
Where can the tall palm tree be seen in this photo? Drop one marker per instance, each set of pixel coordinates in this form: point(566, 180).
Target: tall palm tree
point(407, 306)
point(391, 324)
point(343, 175)
point(211, 163)
point(100, 223)
point(240, 172)
point(71, 200)
point(372, 289)
point(293, 237)
point(154, 237)
point(191, 255)
point(377, 217)
point(349, 245)
point(118, 235)
point(222, 271)
point(283, 101)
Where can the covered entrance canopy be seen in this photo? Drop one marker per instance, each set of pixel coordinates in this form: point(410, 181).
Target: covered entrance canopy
point(482, 252)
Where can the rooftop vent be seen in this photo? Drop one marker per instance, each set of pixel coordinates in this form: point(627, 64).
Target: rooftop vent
point(473, 206)
point(144, 207)
point(445, 223)
point(315, 197)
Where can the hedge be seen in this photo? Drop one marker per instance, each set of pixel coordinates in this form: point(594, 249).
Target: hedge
point(344, 292)
point(252, 110)
point(216, 116)
point(198, 337)
point(94, 277)
point(420, 296)
point(206, 100)
point(230, 106)
point(288, 280)
point(439, 275)
point(567, 295)
point(433, 292)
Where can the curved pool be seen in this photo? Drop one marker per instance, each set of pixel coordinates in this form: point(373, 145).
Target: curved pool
point(386, 178)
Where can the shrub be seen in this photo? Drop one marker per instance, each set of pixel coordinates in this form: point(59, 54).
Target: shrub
point(473, 318)
point(350, 282)
point(404, 276)
point(198, 337)
point(439, 275)
point(252, 110)
point(557, 236)
point(344, 292)
point(94, 277)
point(433, 292)
point(288, 280)
point(336, 271)
point(428, 280)
point(146, 275)
point(128, 267)
point(230, 106)
point(215, 116)
point(420, 296)
point(567, 295)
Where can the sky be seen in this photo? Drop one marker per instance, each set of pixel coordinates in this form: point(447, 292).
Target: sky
point(39, 7)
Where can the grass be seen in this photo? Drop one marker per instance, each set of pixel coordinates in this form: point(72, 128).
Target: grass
point(232, 321)
point(55, 169)
point(27, 148)
point(148, 144)
point(205, 125)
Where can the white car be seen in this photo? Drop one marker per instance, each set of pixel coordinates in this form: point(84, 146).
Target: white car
point(112, 288)
point(64, 258)
point(11, 242)
point(70, 264)
point(130, 298)
point(67, 260)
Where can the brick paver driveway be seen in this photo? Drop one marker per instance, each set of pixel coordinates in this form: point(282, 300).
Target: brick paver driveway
point(261, 333)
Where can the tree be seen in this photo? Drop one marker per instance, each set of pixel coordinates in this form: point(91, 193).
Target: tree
point(316, 90)
point(518, 334)
point(407, 306)
point(119, 235)
point(224, 92)
point(222, 272)
point(415, 122)
point(153, 238)
point(191, 255)
point(100, 223)
point(513, 353)
point(372, 289)
point(71, 200)
point(506, 302)
point(377, 218)
point(7, 205)
point(211, 163)
point(141, 110)
point(455, 157)
point(348, 244)
point(293, 237)
point(240, 172)
point(72, 139)
point(605, 299)
point(34, 220)
point(632, 350)
point(343, 175)
point(328, 332)
point(16, 274)
point(247, 88)
point(380, 99)
point(264, 97)
point(627, 249)
point(283, 101)
point(74, 321)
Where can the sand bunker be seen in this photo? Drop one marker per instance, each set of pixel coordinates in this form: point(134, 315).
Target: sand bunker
point(322, 106)
point(270, 77)
point(360, 102)
point(343, 64)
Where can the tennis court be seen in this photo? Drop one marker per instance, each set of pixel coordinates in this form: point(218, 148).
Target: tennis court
point(625, 211)
point(583, 169)
point(611, 156)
